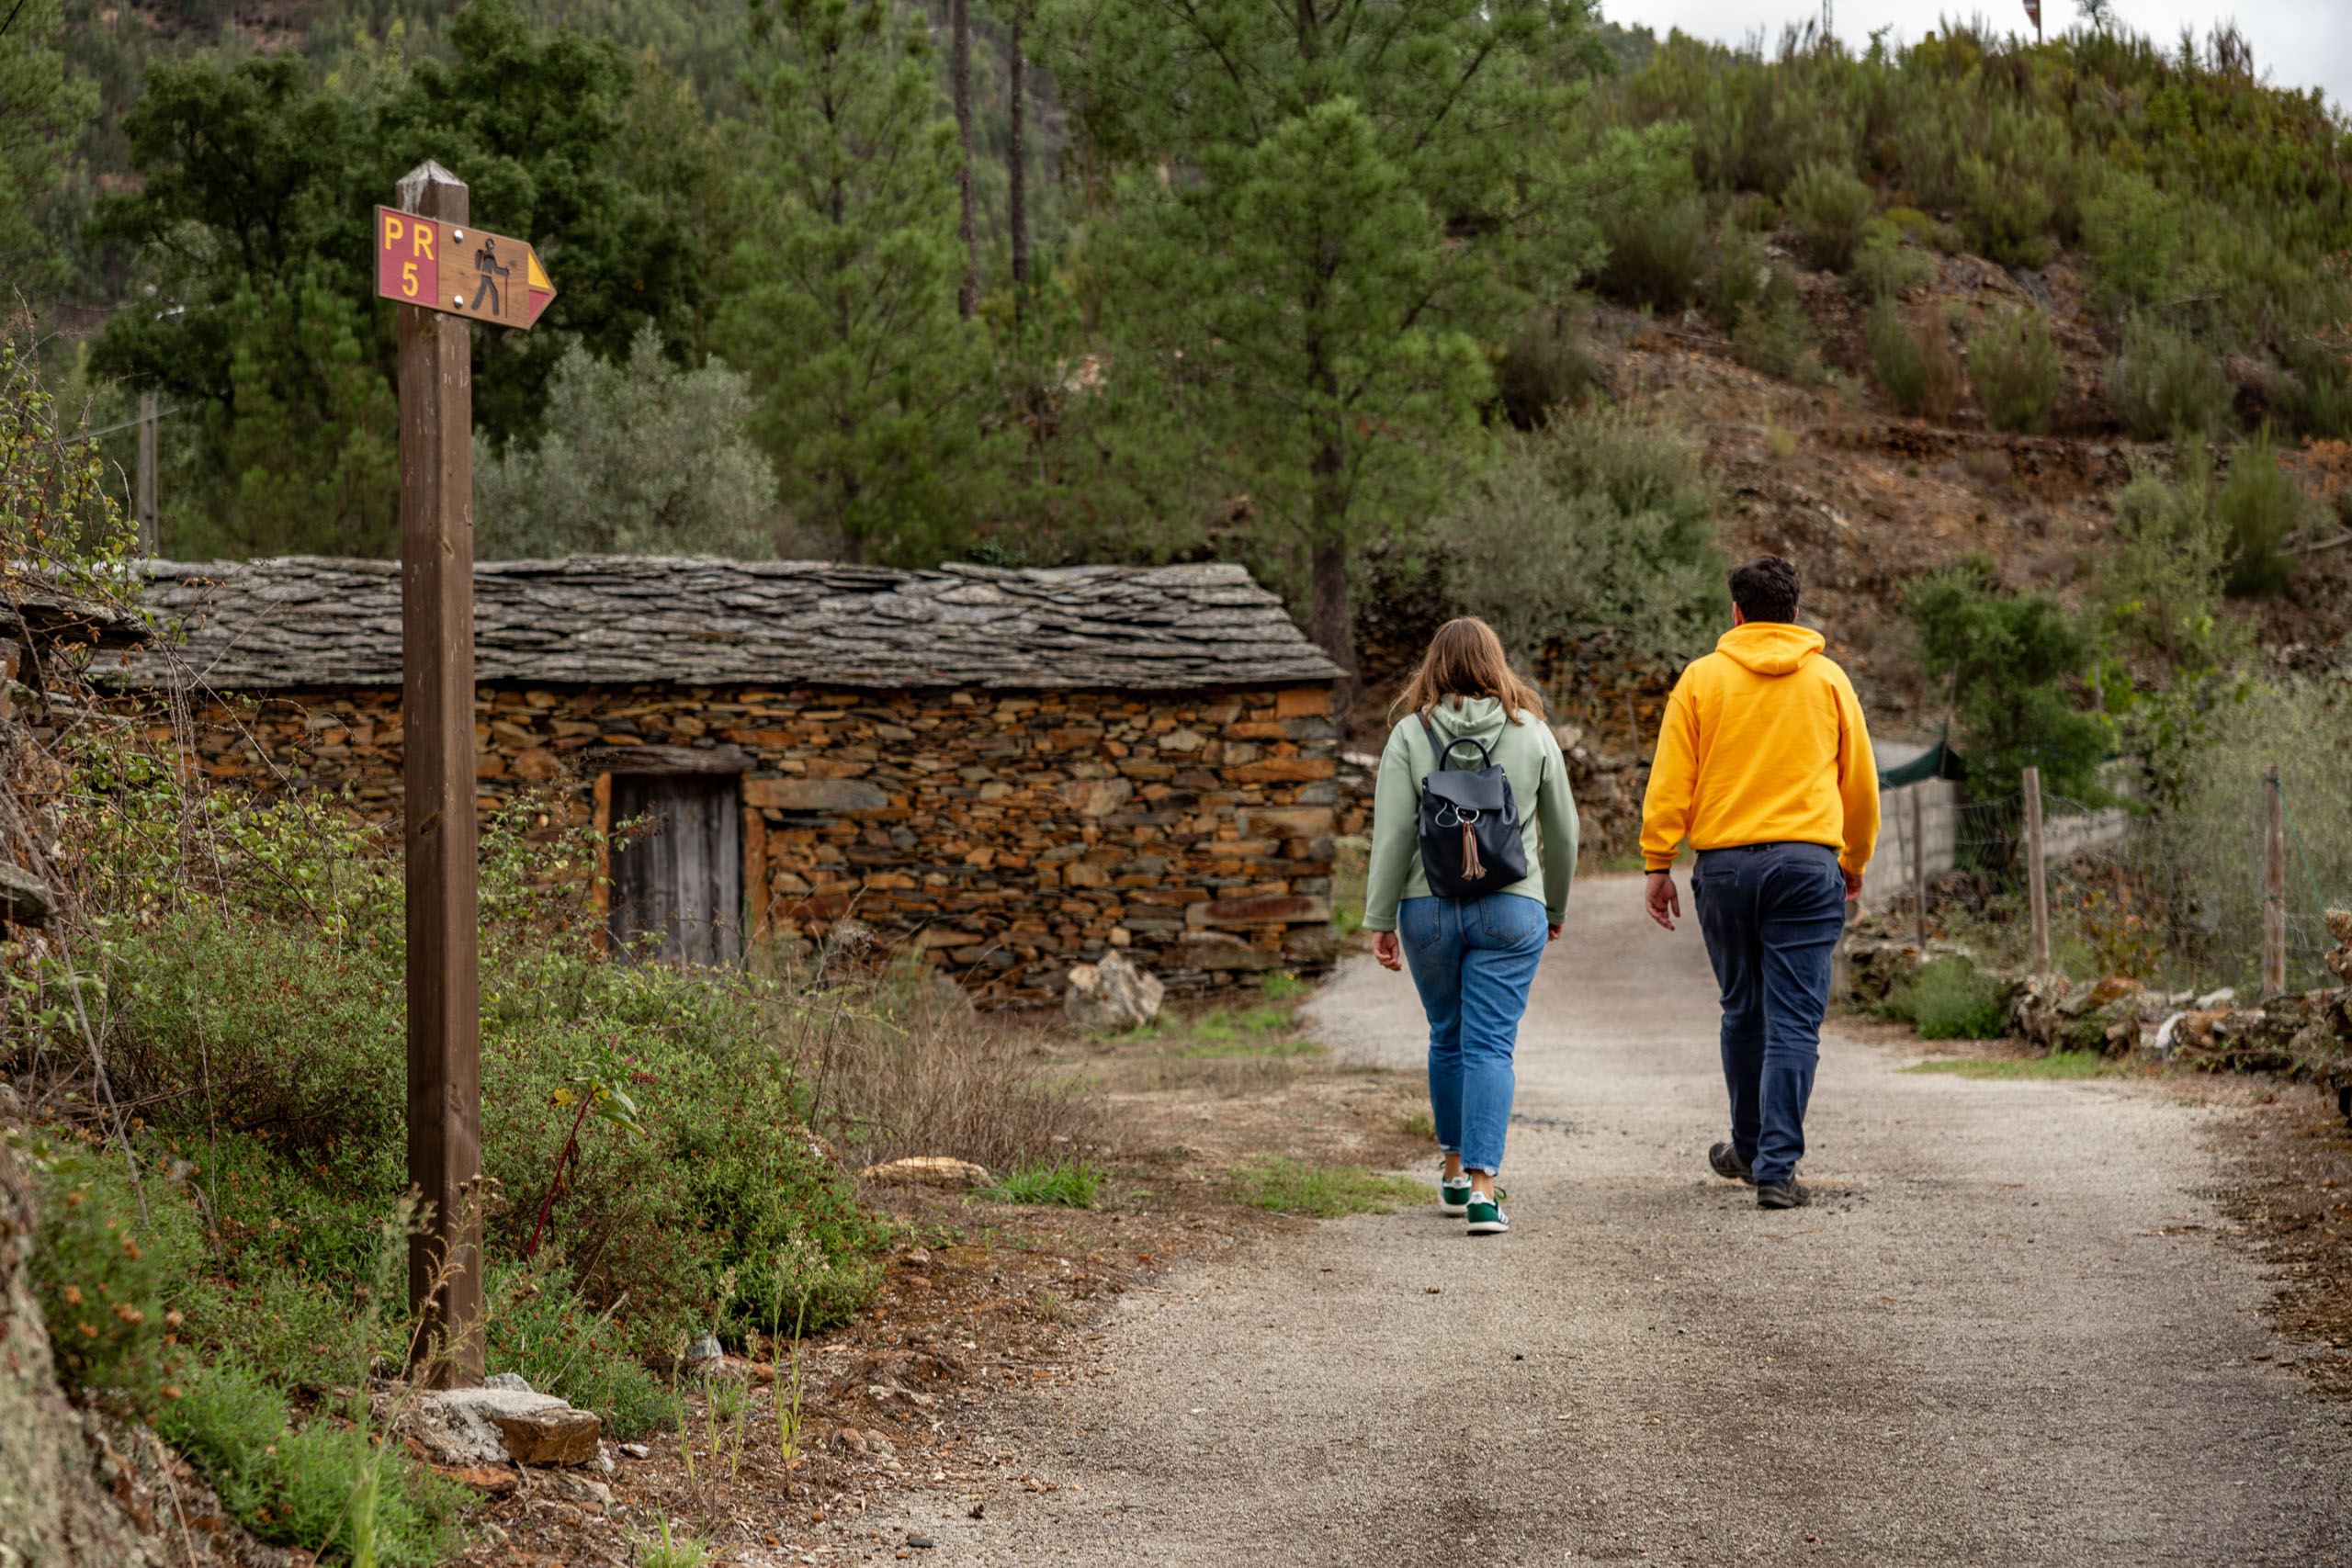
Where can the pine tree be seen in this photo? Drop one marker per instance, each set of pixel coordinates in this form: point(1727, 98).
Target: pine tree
point(1314, 227)
point(848, 325)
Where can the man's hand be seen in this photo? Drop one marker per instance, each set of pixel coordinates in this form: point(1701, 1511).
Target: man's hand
point(1853, 884)
point(1660, 898)
point(1385, 949)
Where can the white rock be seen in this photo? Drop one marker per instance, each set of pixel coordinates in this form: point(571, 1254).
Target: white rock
point(456, 1423)
point(1114, 994)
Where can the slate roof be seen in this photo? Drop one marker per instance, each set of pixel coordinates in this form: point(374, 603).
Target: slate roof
point(701, 620)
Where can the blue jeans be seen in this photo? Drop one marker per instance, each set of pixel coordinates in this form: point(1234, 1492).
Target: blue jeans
point(1771, 915)
point(1472, 960)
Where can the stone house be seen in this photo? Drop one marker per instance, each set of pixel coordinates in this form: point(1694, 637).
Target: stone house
point(1009, 771)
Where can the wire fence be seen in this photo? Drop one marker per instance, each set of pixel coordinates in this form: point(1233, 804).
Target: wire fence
point(2175, 899)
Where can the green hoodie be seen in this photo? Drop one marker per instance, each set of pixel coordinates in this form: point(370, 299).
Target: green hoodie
point(1529, 754)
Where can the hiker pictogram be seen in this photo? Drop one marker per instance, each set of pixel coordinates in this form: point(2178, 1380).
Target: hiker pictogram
point(489, 298)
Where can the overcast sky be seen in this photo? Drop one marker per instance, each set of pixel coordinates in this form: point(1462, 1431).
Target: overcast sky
point(2297, 43)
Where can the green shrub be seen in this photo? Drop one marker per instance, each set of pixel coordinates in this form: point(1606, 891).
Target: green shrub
point(2260, 507)
point(326, 1488)
point(1950, 1000)
point(2161, 577)
point(1741, 278)
point(1072, 1184)
point(105, 1276)
point(1884, 266)
point(1916, 226)
point(2165, 383)
point(2017, 373)
point(1777, 337)
point(1545, 367)
point(1657, 251)
point(1913, 358)
point(537, 1326)
point(1324, 1191)
point(2006, 213)
point(1829, 208)
point(2137, 237)
point(1597, 521)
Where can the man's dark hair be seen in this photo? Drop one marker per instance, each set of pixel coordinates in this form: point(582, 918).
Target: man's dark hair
point(1765, 588)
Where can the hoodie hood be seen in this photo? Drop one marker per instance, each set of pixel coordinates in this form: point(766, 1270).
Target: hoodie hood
point(1770, 647)
point(1479, 718)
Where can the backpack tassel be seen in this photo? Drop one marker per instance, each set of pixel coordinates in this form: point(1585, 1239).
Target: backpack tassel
point(1473, 870)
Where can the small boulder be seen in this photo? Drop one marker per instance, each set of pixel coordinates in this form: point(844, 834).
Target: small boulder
point(24, 899)
point(929, 1170)
point(1112, 995)
point(551, 1437)
point(460, 1427)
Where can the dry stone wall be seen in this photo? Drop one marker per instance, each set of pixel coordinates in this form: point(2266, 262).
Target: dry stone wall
point(1007, 835)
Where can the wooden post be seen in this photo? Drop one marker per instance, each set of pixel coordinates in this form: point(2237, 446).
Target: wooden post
point(2274, 884)
point(150, 416)
point(437, 746)
point(1919, 864)
point(2037, 888)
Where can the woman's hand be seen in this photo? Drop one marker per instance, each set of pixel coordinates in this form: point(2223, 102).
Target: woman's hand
point(1554, 936)
point(1384, 950)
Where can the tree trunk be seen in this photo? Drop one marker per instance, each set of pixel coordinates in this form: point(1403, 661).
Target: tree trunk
point(1330, 619)
point(1016, 167)
point(959, 71)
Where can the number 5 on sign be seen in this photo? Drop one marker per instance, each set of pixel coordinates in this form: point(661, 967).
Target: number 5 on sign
point(457, 270)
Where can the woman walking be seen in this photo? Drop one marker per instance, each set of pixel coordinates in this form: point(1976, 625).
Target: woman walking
point(1473, 841)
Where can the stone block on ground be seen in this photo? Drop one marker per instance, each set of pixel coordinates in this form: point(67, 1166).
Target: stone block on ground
point(460, 1427)
point(930, 1170)
point(551, 1436)
point(1112, 994)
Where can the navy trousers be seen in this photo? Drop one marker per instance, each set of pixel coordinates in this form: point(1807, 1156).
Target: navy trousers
point(1771, 915)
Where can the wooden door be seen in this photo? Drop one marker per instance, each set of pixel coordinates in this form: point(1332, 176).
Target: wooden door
point(680, 873)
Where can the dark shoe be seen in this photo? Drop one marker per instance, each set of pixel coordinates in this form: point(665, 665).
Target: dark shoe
point(1729, 1166)
point(1785, 1193)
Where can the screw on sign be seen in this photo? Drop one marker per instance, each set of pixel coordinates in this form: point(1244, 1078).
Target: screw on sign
point(459, 270)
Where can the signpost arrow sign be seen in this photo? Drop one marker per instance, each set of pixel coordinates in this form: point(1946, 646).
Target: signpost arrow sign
point(460, 271)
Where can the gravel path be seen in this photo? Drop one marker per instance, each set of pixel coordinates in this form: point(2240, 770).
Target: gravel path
point(2009, 1333)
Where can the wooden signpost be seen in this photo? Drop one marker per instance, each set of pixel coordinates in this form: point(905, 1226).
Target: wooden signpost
point(445, 276)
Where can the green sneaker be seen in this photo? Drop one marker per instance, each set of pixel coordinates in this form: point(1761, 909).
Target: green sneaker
point(1453, 1196)
point(1486, 1218)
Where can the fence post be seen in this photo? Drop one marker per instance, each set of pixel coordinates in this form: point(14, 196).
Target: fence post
point(2037, 888)
point(2274, 884)
point(150, 417)
point(1919, 865)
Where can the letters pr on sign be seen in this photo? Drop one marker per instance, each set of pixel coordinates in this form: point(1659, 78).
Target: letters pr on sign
point(459, 270)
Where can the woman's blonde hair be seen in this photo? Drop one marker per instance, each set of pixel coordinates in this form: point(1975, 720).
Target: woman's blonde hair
point(1467, 659)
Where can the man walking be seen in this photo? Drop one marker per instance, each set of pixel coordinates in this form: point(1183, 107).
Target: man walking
point(1764, 765)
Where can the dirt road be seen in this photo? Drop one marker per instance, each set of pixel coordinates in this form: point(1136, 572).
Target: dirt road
point(2010, 1333)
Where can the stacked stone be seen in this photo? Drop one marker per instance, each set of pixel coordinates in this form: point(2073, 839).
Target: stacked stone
point(1006, 835)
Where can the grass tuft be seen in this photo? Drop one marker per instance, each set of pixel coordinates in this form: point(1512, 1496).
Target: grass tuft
point(1324, 1191)
point(1952, 999)
point(1071, 1184)
point(2057, 1064)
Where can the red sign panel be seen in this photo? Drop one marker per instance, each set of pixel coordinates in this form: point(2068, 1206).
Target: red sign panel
point(459, 270)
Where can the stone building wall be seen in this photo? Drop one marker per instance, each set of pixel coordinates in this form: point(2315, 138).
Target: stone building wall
point(1008, 834)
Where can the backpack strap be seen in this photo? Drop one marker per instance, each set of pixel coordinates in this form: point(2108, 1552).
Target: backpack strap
point(1445, 749)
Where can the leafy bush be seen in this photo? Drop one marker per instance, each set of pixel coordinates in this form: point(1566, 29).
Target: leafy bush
point(1913, 358)
point(2260, 507)
point(103, 1274)
point(2165, 383)
point(537, 1325)
point(2014, 661)
point(1597, 521)
point(1741, 279)
point(1777, 337)
point(326, 1487)
point(2017, 373)
point(2006, 213)
point(2160, 581)
point(1657, 251)
point(286, 1007)
point(1952, 999)
point(638, 458)
point(1830, 209)
point(1546, 367)
point(1884, 266)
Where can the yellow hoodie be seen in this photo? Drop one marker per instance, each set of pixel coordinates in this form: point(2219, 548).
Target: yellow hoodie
point(1763, 743)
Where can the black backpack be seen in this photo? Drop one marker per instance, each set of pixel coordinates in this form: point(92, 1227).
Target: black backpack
point(1471, 835)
